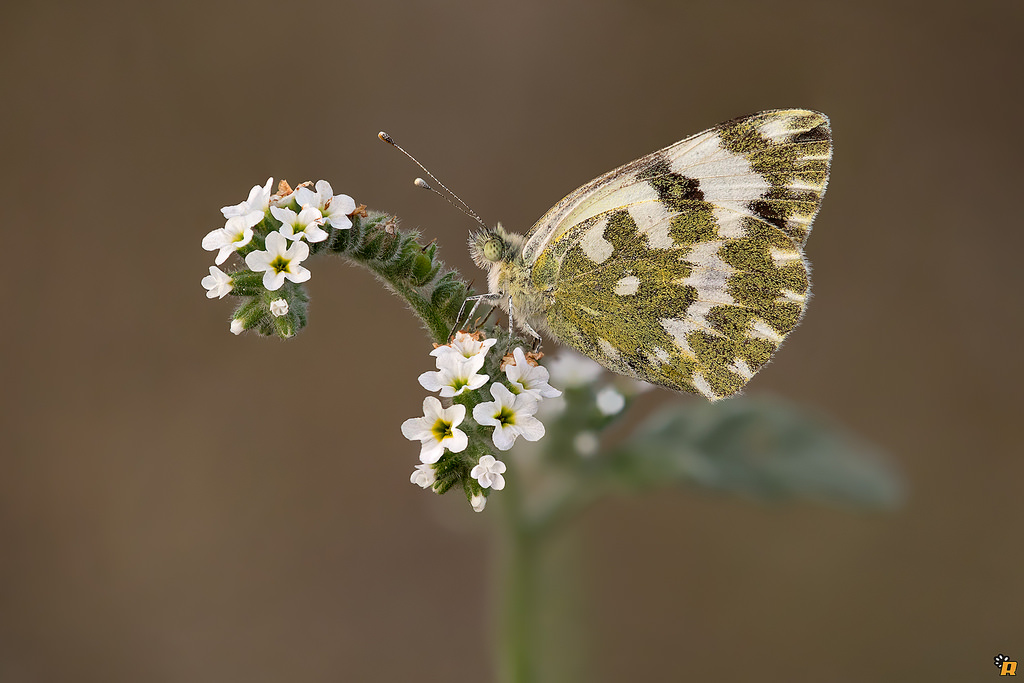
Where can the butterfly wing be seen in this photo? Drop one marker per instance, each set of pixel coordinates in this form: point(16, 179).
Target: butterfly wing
point(685, 267)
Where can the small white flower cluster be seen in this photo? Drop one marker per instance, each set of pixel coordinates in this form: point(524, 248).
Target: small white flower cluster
point(511, 413)
point(287, 222)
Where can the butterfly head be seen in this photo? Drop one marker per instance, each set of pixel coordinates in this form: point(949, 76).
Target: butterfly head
point(489, 247)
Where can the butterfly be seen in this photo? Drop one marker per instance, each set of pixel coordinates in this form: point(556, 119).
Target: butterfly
point(684, 268)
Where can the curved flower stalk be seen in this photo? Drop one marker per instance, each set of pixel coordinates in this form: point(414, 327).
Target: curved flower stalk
point(274, 235)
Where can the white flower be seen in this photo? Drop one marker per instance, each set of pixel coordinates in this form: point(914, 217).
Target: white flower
point(478, 502)
point(336, 208)
point(285, 196)
point(510, 415)
point(254, 208)
point(610, 401)
point(218, 283)
point(237, 326)
point(454, 375)
point(305, 195)
point(586, 443)
point(488, 473)
point(235, 234)
point(305, 223)
point(423, 476)
point(279, 262)
point(279, 307)
point(529, 379)
point(570, 369)
point(437, 430)
point(467, 346)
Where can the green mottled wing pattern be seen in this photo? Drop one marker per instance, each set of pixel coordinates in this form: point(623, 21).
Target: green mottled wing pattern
point(685, 268)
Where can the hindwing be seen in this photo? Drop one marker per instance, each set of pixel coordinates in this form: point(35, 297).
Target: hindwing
point(685, 267)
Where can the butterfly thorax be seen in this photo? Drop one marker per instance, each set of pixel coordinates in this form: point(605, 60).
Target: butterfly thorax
point(500, 253)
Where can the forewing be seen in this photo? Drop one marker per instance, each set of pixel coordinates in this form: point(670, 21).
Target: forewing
point(771, 166)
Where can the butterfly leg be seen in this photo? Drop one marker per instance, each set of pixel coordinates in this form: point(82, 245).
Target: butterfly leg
point(536, 342)
point(460, 321)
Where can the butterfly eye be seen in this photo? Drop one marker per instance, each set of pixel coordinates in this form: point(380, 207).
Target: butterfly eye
point(493, 249)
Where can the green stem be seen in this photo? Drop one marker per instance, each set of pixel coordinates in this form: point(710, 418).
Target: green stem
point(518, 591)
point(407, 268)
point(436, 323)
point(540, 637)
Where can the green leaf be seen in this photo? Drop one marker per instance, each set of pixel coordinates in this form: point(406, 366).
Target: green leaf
point(761, 448)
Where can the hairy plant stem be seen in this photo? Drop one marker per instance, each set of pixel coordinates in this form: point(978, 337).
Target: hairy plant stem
point(516, 578)
point(537, 594)
point(434, 320)
point(406, 267)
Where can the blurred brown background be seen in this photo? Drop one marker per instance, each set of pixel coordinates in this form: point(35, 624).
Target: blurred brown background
point(178, 504)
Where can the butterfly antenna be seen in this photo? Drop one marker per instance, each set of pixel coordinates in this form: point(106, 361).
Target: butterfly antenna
point(419, 182)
